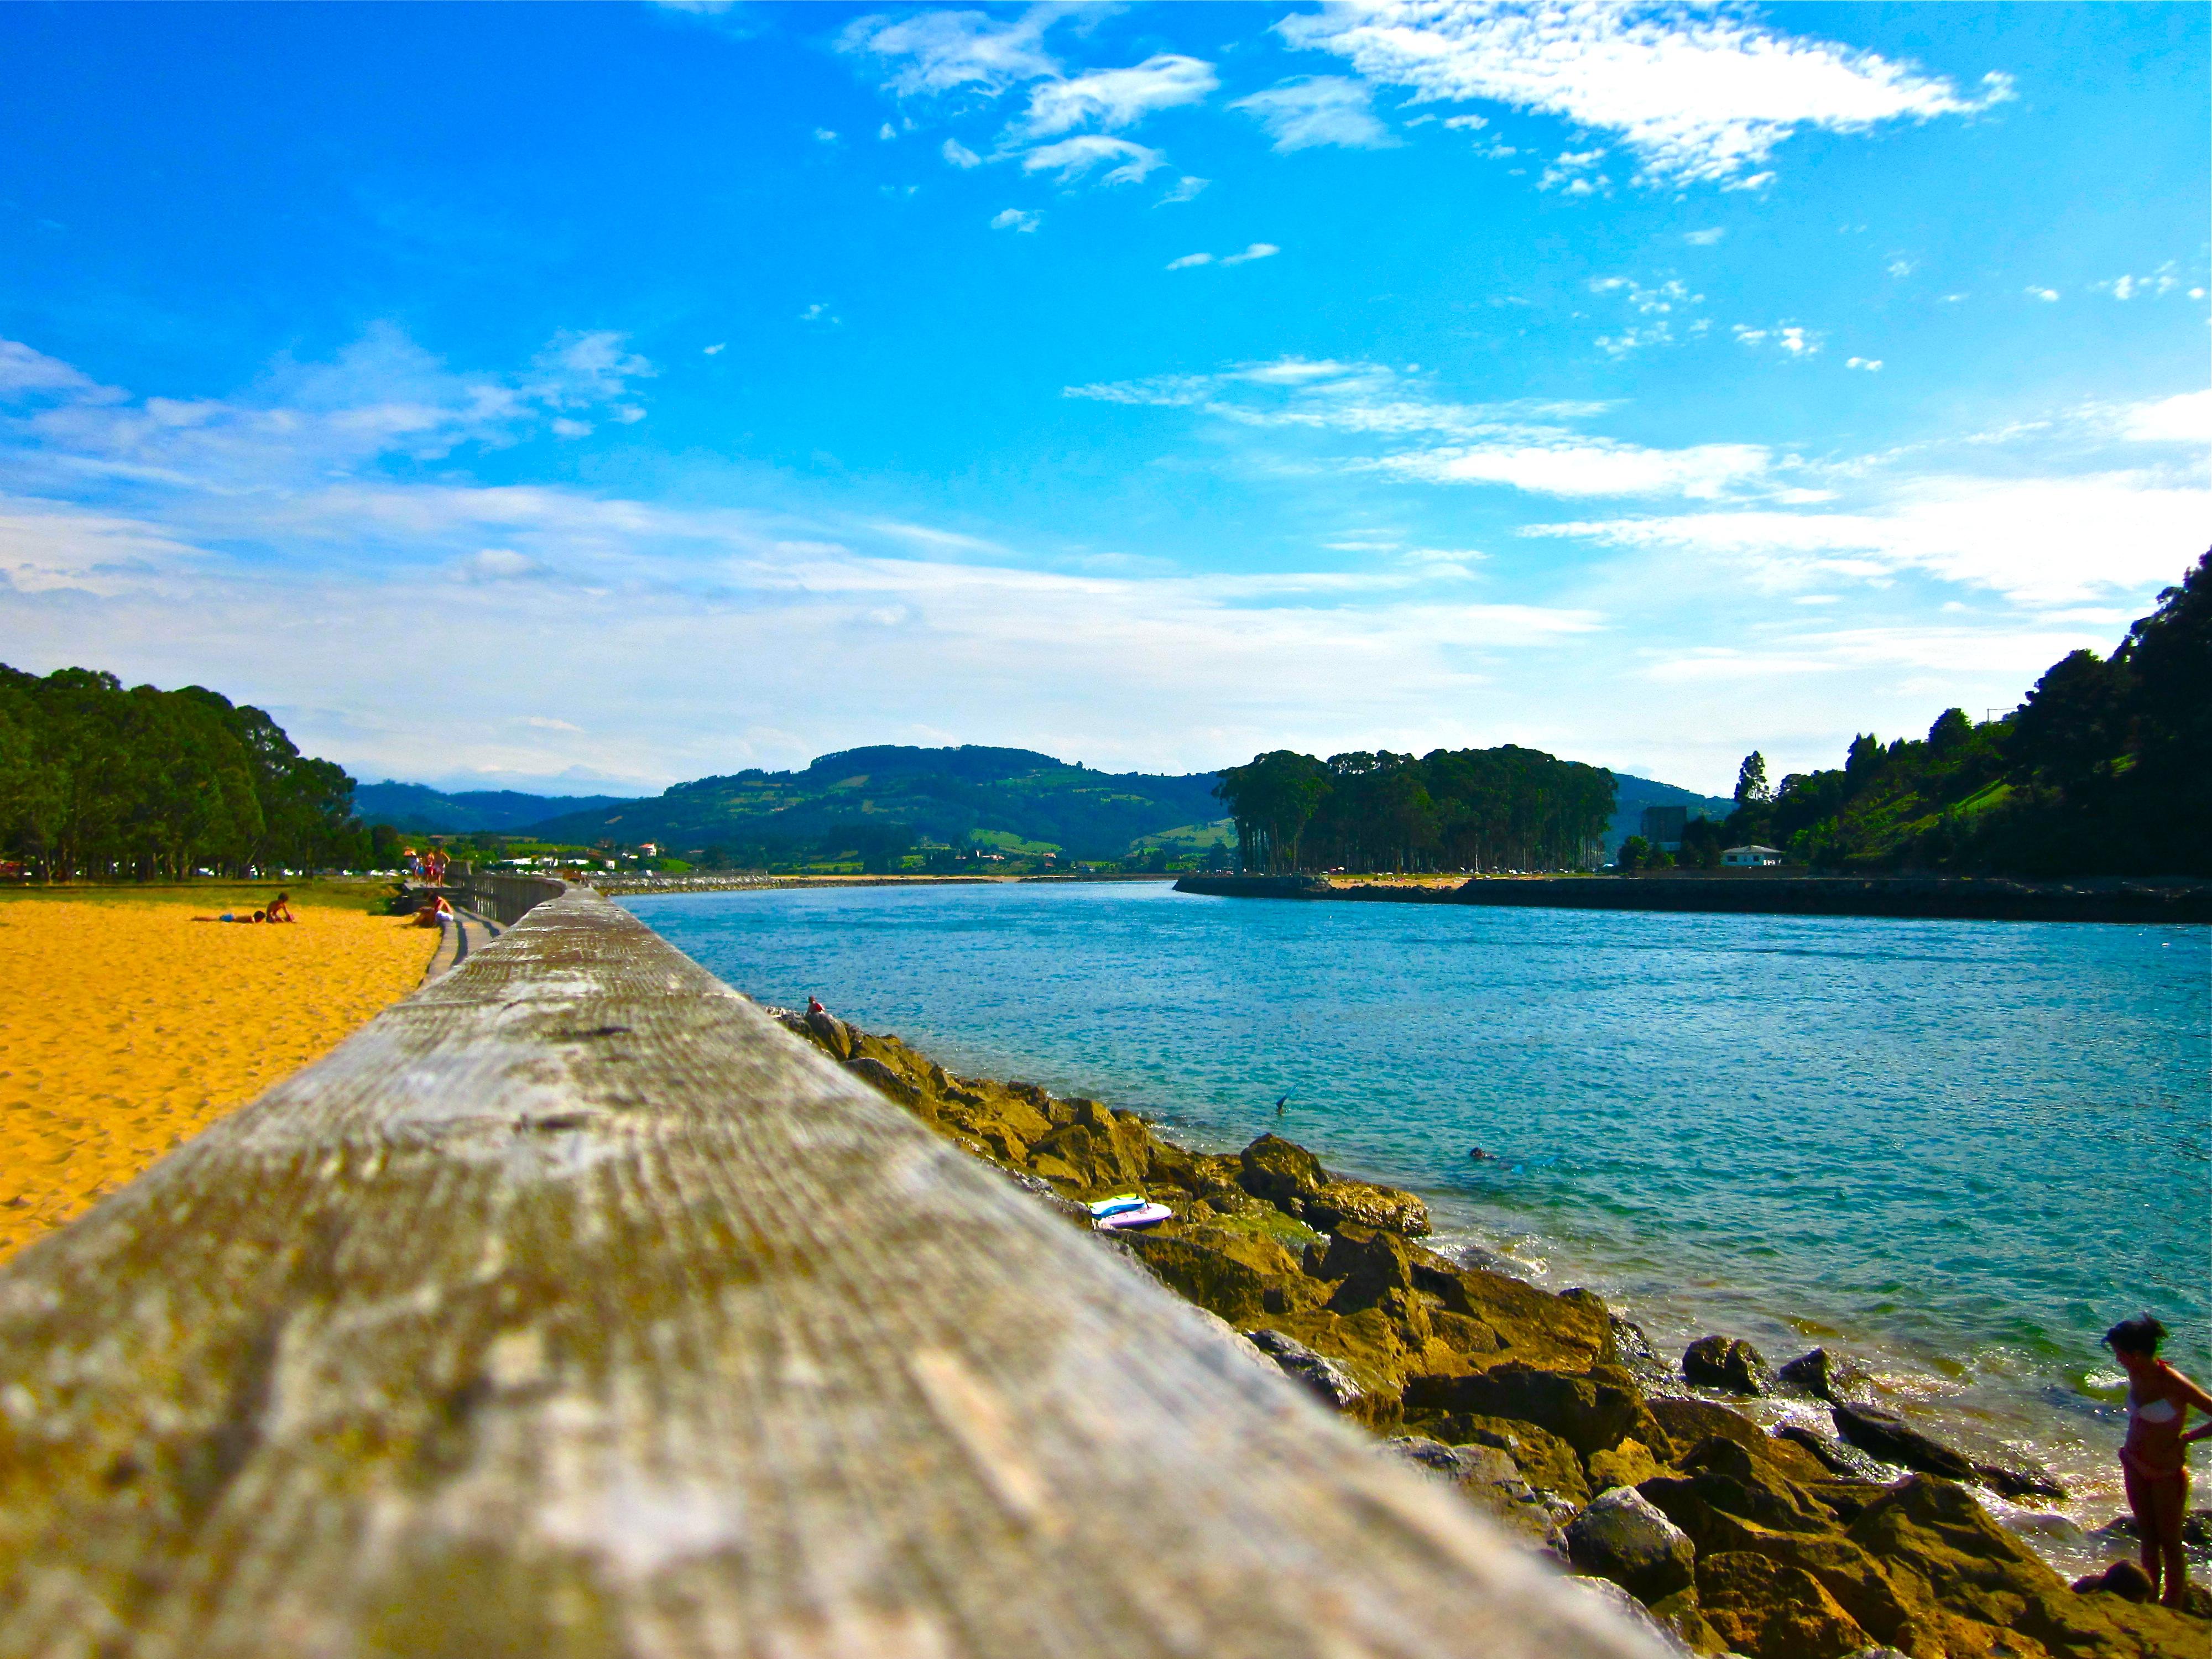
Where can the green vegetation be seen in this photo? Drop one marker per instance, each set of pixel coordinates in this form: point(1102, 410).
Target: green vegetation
point(2105, 770)
point(96, 780)
point(893, 808)
point(1468, 808)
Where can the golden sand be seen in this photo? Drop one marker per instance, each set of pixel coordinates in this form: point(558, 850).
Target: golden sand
point(126, 1028)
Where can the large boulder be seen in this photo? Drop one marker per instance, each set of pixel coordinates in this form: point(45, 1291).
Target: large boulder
point(2125, 1579)
point(1491, 1480)
point(1727, 1364)
point(1828, 1377)
point(1722, 1484)
point(1329, 1381)
point(1623, 1537)
point(1877, 1430)
point(1632, 1612)
point(1546, 1461)
point(1366, 1204)
point(1769, 1610)
point(1633, 1352)
point(1217, 1282)
point(1592, 1411)
point(1281, 1171)
point(1687, 1422)
point(1839, 1457)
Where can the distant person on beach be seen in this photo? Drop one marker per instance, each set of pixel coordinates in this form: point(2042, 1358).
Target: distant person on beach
point(2153, 1456)
point(436, 914)
point(814, 1006)
point(282, 910)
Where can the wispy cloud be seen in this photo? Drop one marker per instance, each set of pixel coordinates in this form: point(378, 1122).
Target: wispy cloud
point(1790, 339)
point(1871, 365)
point(2162, 282)
point(960, 155)
point(1074, 158)
point(941, 51)
point(1185, 189)
point(1015, 219)
point(2046, 295)
point(1117, 98)
point(1190, 262)
point(1704, 238)
point(1319, 109)
point(1700, 94)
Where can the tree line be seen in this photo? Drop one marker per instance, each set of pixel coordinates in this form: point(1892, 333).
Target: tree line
point(98, 781)
point(1451, 808)
point(2104, 769)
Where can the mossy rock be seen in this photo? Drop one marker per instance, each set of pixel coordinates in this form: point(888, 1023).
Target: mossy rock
point(1545, 1461)
point(1768, 1611)
point(1592, 1412)
point(1218, 1283)
point(1629, 1464)
point(1687, 1422)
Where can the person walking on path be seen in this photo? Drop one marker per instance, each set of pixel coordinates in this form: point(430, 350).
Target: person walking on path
point(2154, 1457)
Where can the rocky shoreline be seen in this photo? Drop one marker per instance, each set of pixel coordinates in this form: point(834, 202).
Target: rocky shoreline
point(1553, 1414)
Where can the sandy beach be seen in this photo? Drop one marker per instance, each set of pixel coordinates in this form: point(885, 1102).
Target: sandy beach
point(131, 1027)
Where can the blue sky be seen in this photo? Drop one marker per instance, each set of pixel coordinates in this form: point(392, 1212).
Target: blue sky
point(518, 396)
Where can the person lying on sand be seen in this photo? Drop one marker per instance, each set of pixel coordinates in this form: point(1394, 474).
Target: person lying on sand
point(258, 915)
point(2153, 1457)
point(436, 914)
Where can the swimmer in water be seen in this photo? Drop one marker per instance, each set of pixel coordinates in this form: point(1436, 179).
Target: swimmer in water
point(2153, 1457)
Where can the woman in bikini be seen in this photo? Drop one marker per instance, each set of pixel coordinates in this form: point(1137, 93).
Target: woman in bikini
point(2153, 1457)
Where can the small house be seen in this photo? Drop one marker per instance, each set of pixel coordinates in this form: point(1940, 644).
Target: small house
point(1751, 857)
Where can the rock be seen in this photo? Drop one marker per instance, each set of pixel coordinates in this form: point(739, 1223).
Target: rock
point(1048, 1196)
point(1491, 1480)
point(1633, 1352)
point(1365, 1267)
point(1729, 1363)
point(1828, 1377)
point(1216, 1282)
point(1634, 1613)
point(1281, 1171)
point(1592, 1412)
point(1622, 1537)
point(1890, 1437)
point(1722, 1482)
point(1629, 1464)
point(2125, 1579)
point(1687, 1422)
point(2019, 1480)
point(1328, 1380)
point(1773, 1611)
point(1836, 1456)
point(832, 1033)
point(1365, 1205)
point(1880, 1653)
point(1546, 1461)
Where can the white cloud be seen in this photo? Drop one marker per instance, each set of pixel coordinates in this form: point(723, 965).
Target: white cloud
point(1587, 466)
point(940, 51)
point(2043, 542)
point(1015, 219)
point(497, 564)
point(1320, 109)
point(2186, 417)
point(27, 373)
point(1704, 238)
point(886, 131)
point(2163, 281)
point(1575, 171)
point(1902, 267)
point(1650, 301)
point(1635, 340)
point(1072, 158)
point(1191, 261)
point(824, 135)
point(960, 155)
point(1872, 364)
point(2043, 293)
point(715, 349)
point(1119, 97)
point(1466, 123)
point(1699, 93)
point(1184, 189)
point(1256, 250)
point(1789, 339)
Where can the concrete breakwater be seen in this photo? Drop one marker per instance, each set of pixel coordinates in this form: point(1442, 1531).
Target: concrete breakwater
point(1925, 898)
point(1548, 1410)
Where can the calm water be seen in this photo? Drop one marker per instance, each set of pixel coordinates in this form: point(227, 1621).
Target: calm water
point(1958, 1149)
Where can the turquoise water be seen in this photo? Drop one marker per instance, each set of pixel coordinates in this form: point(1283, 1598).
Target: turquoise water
point(1959, 1150)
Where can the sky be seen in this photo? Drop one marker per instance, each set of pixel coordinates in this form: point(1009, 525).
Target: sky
point(588, 397)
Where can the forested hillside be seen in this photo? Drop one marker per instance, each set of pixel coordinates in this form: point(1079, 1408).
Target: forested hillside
point(2105, 770)
point(1508, 808)
point(98, 781)
point(419, 808)
point(877, 804)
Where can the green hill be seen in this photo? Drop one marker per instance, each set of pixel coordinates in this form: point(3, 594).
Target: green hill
point(875, 803)
point(418, 808)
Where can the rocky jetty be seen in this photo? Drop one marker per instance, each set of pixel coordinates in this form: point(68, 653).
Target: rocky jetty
point(1548, 1411)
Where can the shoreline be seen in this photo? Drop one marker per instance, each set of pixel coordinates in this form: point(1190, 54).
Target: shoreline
point(2151, 901)
point(1330, 1277)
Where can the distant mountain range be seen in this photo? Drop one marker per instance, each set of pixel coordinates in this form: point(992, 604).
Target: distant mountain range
point(1014, 798)
point(424, 810)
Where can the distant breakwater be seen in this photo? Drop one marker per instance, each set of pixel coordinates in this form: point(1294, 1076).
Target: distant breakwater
point(1949, 898)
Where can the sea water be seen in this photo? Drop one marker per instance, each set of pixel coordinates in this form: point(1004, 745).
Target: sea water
point(1955, 1151)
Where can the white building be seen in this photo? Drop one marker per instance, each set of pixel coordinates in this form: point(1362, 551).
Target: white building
point(1751, 857)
